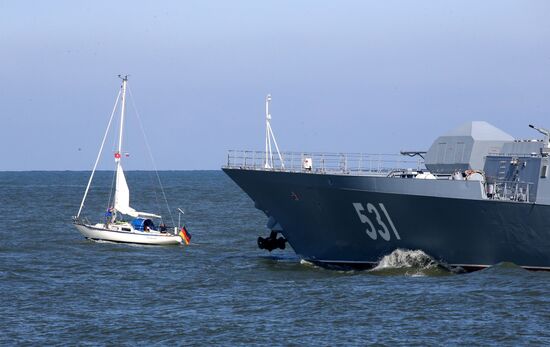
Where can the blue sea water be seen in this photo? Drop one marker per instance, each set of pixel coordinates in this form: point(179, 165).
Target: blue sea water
point(58, 288)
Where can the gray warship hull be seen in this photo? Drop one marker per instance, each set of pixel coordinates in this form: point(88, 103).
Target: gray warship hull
point(476, 198)
point(356, 220)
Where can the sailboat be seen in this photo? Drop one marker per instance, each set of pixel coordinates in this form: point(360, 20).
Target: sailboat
point(141, 229)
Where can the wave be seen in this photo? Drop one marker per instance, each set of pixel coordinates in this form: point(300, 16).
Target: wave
point(398, 263)
point(411, 263)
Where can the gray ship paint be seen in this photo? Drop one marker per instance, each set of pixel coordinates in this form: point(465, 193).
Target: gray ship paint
point(355, 219)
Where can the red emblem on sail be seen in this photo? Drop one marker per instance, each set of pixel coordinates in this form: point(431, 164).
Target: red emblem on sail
point(117, 155)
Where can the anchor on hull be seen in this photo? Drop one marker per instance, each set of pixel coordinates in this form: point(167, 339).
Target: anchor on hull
point(272, 242)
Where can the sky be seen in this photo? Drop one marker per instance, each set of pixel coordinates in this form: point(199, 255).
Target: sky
point(345, 76)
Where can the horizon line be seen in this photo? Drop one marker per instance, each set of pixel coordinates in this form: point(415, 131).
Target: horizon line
point(89, 170)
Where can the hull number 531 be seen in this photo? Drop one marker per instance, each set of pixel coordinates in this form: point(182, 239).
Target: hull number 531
point(381, 228)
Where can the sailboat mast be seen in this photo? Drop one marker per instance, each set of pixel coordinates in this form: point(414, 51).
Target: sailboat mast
point(123, 109)
point(121, 188)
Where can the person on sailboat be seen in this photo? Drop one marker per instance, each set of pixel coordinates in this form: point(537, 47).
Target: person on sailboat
point(109, 215)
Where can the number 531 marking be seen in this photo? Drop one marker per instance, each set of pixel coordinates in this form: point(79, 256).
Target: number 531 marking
point(373, 232)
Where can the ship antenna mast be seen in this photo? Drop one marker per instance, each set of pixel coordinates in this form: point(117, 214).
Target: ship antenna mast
point(269, 138)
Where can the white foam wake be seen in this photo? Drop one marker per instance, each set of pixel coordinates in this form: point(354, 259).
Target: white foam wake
point(404, 258)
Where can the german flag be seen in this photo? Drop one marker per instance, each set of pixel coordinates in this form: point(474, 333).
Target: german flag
point(185, 235)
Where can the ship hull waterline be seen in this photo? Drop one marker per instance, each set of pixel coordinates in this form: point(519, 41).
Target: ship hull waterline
point(98, 234)
point(321, 217)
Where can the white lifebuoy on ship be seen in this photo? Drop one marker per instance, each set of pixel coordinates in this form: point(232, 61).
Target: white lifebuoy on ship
point(425, 176)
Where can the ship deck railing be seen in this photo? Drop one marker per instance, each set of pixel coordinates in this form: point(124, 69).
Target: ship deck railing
point(323, 163)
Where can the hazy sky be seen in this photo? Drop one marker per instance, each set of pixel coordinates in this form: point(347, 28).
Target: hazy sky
point(352, 76)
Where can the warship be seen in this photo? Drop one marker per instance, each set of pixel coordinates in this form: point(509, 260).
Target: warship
point(475, 198)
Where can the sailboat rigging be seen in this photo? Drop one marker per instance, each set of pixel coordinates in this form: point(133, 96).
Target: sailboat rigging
point(141, 229)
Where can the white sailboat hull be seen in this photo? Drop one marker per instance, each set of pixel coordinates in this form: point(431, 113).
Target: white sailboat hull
point(99, 232)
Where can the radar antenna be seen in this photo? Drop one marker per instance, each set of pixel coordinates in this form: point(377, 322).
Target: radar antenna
point(269, 137)
point(546, 134)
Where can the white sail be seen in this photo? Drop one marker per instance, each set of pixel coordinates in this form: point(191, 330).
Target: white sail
point(122, 194)
point(122, 197)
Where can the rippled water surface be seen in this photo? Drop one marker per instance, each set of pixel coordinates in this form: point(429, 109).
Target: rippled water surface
point(56, 287)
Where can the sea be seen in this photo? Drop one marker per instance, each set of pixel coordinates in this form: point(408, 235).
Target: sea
point(57, 288)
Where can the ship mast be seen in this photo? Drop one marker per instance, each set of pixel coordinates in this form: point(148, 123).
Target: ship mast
point(269, 137)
